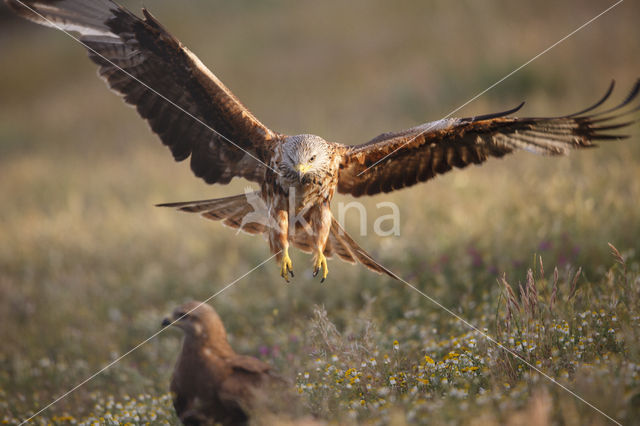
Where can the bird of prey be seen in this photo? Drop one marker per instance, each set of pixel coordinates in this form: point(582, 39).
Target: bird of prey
point(197, 116)
point(211, 384)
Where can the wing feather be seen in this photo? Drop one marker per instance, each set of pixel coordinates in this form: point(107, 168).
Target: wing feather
point(151, 69)
point(397, 160)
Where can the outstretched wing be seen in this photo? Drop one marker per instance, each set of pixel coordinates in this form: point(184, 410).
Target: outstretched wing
point(152, 70)
point(397, 160)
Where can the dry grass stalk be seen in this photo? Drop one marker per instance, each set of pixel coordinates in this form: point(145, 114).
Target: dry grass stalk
point(616, 254)
point(511, 301)
point(531, 294)
point(325, 331)
point(523, 297)
point(574, 284)
point(554, 292)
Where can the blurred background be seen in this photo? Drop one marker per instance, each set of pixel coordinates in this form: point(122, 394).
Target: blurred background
point(88, 265)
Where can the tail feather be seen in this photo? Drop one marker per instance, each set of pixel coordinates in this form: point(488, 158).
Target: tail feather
point(235, 211)
point(335, 244)
point(304, 241)
point(347, 249)
point(241, 212)
point(204, 205)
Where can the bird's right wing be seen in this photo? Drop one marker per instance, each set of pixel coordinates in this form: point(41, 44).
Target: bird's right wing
point(241, 386)
point(248, 365)
point(192, 112)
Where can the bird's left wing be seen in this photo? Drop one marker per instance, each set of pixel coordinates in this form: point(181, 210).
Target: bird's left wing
point(397, 160)
point(153, 71)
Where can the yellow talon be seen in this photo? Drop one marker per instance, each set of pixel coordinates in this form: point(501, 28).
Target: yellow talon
point(320, 262)
point(286, 267)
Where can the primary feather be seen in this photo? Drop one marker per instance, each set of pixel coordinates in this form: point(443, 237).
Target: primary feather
point(153, 71)
point(393, 161)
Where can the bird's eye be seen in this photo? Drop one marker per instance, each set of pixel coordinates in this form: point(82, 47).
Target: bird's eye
point(182, 315)
point(313, 158)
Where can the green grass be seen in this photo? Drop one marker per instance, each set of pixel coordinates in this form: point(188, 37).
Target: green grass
point(88, 267)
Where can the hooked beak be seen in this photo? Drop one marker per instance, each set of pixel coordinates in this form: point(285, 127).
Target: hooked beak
point(302, 169)
point(166, 322)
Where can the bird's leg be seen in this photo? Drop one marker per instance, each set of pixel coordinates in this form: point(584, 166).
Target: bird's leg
point(286, 266)
point(279, 240)
point(321, 223)
point(320, 261)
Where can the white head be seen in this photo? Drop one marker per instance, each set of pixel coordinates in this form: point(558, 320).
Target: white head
point(305, 158)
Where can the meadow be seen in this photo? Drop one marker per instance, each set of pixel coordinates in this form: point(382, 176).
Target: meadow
point(518, 247)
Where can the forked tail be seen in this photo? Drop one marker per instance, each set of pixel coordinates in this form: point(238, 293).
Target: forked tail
point(248, 212)
point(348, 250)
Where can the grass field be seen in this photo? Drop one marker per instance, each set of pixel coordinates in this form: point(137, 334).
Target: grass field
point(89, 267)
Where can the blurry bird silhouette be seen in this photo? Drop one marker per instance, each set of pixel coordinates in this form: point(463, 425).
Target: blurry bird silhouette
point(211, 384)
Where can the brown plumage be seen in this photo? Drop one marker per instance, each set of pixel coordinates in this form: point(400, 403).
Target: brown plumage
point(196, 116)
point(211, 383)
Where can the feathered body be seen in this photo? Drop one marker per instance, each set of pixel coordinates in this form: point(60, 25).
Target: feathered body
point(198, 117)
point(211, 383)
point(299, 195)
